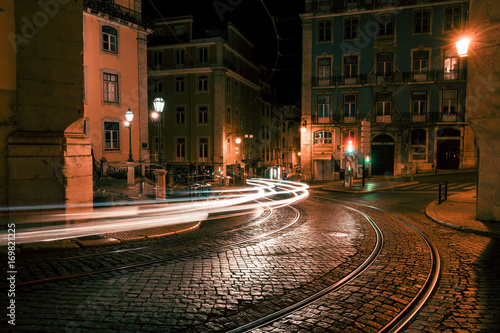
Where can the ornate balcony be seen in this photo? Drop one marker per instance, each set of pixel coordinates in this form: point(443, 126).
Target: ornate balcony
point(112, 9)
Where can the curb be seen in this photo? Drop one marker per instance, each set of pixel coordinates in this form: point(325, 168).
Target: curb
point(369, 191)
point(94, 241)
point(457, 227)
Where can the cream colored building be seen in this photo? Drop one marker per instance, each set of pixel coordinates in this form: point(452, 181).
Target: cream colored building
point(212, 92)
point(115, 71)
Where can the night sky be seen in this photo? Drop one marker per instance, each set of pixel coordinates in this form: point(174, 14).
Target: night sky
point(253, 20)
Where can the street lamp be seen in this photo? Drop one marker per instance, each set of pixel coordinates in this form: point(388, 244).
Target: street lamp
point(462, 46)
point(159, 104)
point(303, 128)
point(129, 115)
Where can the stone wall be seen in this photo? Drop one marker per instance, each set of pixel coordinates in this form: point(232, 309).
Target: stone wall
point(483, 102)
point(48, 157)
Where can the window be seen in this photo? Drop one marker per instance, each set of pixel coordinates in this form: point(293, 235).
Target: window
point(325, 31)
point(385, 25)
point(203, 83)
point(324, 70)
point(323, 106)
point(158, 85)
point(228, 85)
point(158, 35)
point(236, 89)
point(349, 136)
point(179, 84)
point(180, 148)
point(350, 66)
point(109, 39)
point(180, 115)
point(351, 28)
point(384, 100)
point(323, 138)
point(236, 117)
point(158, 59)
point(351, 3)
point(419, 103)
point(179, 30)
point(452, 18)
point(350, 105)
point(203, 148)
point(202, 114)
point(179, 58)
point(450, 102)
point(420, 62)
point(228, 116)
point(450, 67)
point(384, 64)
point(111, 135)
point(418, 144)
point(203, 56)
point(110, 88)
point(421, 21)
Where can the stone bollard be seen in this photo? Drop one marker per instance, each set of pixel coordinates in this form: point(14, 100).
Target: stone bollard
point(160, 184)
point(130, 174)
point(104, 166)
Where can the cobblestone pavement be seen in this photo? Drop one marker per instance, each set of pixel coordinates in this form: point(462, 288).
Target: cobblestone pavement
point(208, 291)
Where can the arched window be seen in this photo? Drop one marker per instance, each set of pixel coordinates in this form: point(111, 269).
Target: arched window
point(109, 39)
point(323, 138)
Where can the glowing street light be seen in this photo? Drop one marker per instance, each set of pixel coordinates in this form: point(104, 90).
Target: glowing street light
point(159, 104)
point(129, 115)
point(238, 140)
point(463, 46)
point(303, 128)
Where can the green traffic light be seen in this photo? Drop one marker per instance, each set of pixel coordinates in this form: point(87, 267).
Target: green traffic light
point(367, 159)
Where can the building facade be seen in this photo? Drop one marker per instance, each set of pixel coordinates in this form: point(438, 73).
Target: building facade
point(217, 116)
point(115, 72)
point(44, 156)
point(386, 77)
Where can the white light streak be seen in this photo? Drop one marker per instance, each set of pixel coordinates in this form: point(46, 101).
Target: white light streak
point(167, 212)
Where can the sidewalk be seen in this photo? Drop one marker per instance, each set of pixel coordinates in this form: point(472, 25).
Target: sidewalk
point(457, 212)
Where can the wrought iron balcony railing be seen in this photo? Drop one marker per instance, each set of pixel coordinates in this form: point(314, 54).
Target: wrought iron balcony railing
point(393, 78)
point(110, 8)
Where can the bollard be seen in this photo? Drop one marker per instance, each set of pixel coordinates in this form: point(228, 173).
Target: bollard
point(439, 195)
point(445, 190)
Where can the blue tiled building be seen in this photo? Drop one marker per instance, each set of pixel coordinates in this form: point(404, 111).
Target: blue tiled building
point(385, 75)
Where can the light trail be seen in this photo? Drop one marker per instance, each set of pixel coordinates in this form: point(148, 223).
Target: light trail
point(136, 216)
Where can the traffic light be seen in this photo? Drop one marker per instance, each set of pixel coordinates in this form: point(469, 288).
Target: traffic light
point(350, 147)
point(367, 158)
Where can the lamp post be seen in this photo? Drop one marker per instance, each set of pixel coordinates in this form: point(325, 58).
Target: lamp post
point(159, 104)
point(129, 115)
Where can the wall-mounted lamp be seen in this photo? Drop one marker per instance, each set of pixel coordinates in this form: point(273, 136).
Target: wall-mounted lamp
point(303, 127)
point(463, 46)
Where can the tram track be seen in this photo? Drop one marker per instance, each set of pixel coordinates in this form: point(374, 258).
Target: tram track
point(402, 318)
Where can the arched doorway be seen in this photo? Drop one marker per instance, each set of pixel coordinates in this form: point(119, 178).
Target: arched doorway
point(382, 155)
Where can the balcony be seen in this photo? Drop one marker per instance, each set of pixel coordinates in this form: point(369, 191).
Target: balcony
point(389, 79)
point(112, 9)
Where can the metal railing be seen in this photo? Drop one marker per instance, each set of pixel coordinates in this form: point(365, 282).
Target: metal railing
point(110, 8)
point(393, 78)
